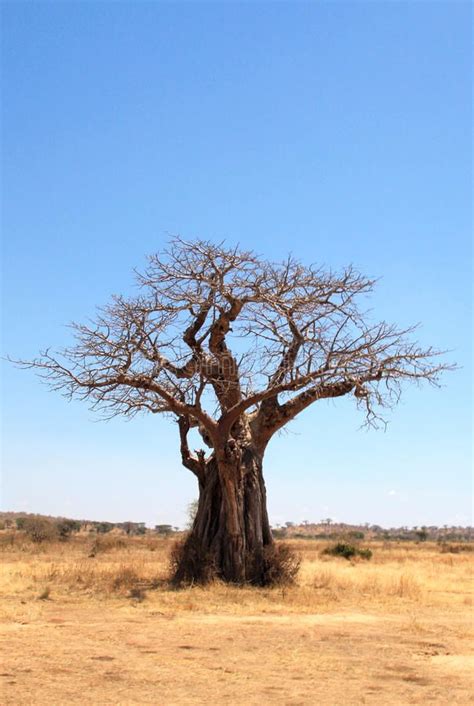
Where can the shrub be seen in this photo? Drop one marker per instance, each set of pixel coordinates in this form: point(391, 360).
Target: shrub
point(66, 527)
point(126, 578)
point(104, 527)
point(133, 528)
point(281, 565)
point(279, 532)
point(365, 553)
point(44, 595)
point(341, 549)
point(356, 534)
point(347, 550)
point(190, 563)
point(106, 544)
point(8, 540)
point(456, 548)
point(40, 529)
point(137, 593)
point(422, 534)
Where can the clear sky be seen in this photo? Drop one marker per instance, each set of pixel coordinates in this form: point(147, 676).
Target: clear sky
point(339, 131)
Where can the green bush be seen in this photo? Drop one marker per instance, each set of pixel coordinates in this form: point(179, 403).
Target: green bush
point(365, 553)
point(356, 534)
point(103, 527)
point(66, 527)
point(347, 551)
point(422, 534)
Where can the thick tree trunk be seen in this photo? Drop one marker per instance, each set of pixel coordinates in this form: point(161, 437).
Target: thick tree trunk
point(231, 537)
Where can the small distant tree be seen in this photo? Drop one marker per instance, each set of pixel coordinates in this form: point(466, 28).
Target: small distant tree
point(104, 527)
point(279, 532)
point(40, 529)
point(422, 534)
point(236, 347)
point(128, 527)
point(65, 528)
point(356, 534)
point(164, 529)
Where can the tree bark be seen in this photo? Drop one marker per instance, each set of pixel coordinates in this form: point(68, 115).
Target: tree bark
point(230, 537)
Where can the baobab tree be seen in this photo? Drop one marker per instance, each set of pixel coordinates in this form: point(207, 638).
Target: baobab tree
point(235, 347)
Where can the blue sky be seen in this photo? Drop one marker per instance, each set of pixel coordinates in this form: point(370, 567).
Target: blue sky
point(339, 131)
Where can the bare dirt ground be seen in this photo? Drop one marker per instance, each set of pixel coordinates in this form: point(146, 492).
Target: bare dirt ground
point(77, 629)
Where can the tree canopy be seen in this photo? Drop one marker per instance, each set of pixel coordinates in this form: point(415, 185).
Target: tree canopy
point(216, 332)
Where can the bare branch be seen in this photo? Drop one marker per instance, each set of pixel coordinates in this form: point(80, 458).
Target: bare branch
point(196, 464)
point(235, 344)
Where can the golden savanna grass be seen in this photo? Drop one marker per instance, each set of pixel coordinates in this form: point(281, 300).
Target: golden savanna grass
point(94, 621)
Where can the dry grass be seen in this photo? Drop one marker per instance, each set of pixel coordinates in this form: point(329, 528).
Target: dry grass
point(392, 630)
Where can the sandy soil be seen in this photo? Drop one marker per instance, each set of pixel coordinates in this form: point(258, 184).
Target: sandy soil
point(114, 654)
point(234, 648)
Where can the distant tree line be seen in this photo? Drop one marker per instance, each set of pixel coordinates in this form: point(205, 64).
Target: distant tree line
point(41, 528)
point(329, 530)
